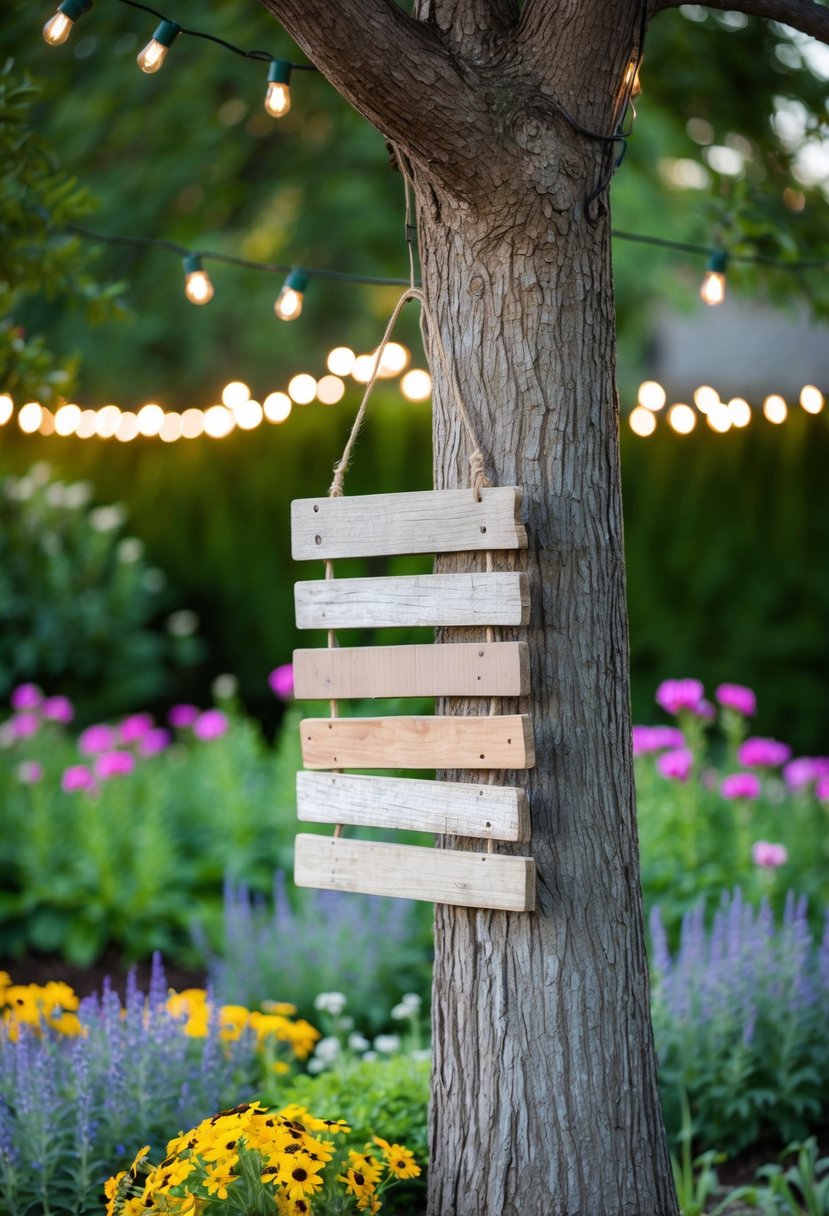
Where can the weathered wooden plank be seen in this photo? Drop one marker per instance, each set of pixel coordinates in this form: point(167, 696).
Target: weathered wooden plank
point(449, 808)
point(428, 521)
point(499, 598)
point(470, 880)
point(464, 669)
point(497, 741)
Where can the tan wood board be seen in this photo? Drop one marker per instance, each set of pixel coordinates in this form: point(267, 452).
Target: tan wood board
point(470, 880)
point(503, 741)
point(450, 808)
point(428, 521)
point(464, 669)
point(499, 598)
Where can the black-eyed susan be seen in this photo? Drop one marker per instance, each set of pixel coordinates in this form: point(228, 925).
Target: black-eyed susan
point(399, 1160)
point(299, 1176)
point(357, 1183)
point(217, 1178)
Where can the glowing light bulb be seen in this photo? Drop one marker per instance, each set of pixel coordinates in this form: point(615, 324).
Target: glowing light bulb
point(651, 395)
point(277, 407)
point(416, 385)
point(362, 368)
point(288, 304)
point(811, 399)
point(719, 418)
point(192, 424)
point(712, 290)
point(67, 418)
point(739, 411)
point(85, 427)
point(249, 415)
point(395, 359)
point(29, 417)
point(302, 389)
point(197, 285)
point(234, 394)
point(150, 418)
point(155, 52)
point(642, 421)
point(775, 409)
point(218, 422)
point(58, 28)
point(341, 360)
point(6, 408)
point(330, 390)
point(170, 427)
point(106, 423)
point(706, 398)
point(682, 418)
point(47, 422)
point(127, 427)
point(278, 95)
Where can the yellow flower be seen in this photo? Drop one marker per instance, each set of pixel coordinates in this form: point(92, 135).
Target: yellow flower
point(233, 1019)
point(111, 1191)
point(285, 1008)
point(139, 1157)
point(400, 1160)
point(370, 1204)
point(366, 1164)
point(358, 1183)
point(299, 1176)
point(166, 1176)
point(217, 1179)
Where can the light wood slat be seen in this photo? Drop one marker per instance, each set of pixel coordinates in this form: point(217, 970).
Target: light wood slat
point(418, 742)
point(428, 521)
point(470, 880)
point(449, 808)
point(465, 669)
point(500, 598)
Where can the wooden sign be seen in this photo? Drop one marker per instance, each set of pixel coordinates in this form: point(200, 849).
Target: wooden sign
point(448, 521)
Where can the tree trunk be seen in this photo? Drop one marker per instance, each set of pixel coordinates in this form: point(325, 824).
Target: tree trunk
point(544, 1097)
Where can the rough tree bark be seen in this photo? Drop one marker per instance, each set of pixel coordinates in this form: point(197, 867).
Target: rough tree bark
point(544, 1077)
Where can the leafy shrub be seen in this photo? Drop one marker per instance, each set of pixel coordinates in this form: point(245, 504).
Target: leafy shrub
point(741, 1019)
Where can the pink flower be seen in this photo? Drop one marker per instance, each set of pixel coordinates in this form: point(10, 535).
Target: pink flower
point(212, 724)
point(155, 741)
point(762, 753)
point(76, 777)
point(769, 856)
point(281, 681)
point(58, 709)
point(822, 788)
point(134, 728)
point(647, 739)
point(737, 697)
point(182, 716)
point(29, 772)
point(676, 764)
point(25, 725)
point(94, 739)
point(676, 695)
point(804, 770)
point(114, 764)
point(26, 696)
point(741, 785)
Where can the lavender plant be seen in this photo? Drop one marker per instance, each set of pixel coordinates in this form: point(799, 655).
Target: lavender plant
point(741, 1018)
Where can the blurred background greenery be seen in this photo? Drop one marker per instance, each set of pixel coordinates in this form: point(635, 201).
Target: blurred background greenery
point(726, 543)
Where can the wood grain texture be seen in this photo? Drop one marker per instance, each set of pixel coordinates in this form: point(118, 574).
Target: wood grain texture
point(463, 669)
point(405, 871)
point(427, 521)
point(419, 599)
point(484, 812)
point(418, 742)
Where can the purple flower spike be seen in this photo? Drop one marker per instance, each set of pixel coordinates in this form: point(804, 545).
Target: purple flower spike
point(76, 777)
point(647, 739)
point(26, 697)
point(281, 681)
point(737, 697)
point(25, 725)
point(154, 741)
point(769, 856)
point(741, 785)
point(212, 724)
point(804, 770)
point(135, 727)
point(183, 716)
point(676, 695)
point(114, 764)
point(29, 772)
point(94, 739)
point(763, 753)
point(676, 765)
point(58, 709)
point(822, 788)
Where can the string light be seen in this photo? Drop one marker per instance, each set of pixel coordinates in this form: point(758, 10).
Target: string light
point(29, 416)
point(6, 408)
point(651, 395)
point(340, 360)
point(151, 59)
point(288, 304)
point(277, 407)
point(719, 418)
point(218, 422)
point(330, 390)
point(739, 411)
point(811, 399)
point(706, 398)
point(197, 285)
point(278, 95)
point(416, 385)
point(712, 290)
point(150, 418)
point(775, 409)
point(302, 389)
point(682, 419)
point(58, 28)
point(642, 421)
point(235, 394)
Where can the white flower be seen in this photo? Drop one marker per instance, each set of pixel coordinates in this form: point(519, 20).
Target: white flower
point(330, 1002)
point(346, 1023)
point(370, 1055)
point(56, 494)
point(78, 494)
point(358, 1042)
point(183, 623)
point(328, 1049)
point(412, 999)
point(107, 519)
point(40, 473)
point(315, 1066)
point(402, 1012)
point(388, 1044)
point(130, 549)
point(223, 688)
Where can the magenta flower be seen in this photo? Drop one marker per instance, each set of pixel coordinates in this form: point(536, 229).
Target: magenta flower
point(676, 764)
point(762, 753)
point(741, 785)
point(114, 764)
point(182, 716)
point(212, 724)
point(676, 695)
point(26, 697)
point(58, 709)
point(25, 725)
point(737, 697)
point(281, 681)
point(76, 777)
point(647, 739)
point(822, 788)
point(155, 741)
point(29, 772)
point(804, 770)
point(98, 738)
point(135, 727)
point(769, 856)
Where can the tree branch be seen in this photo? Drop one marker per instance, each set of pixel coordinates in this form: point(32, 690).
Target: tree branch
point(807, 16)
point(481, 24)
point(397, 73)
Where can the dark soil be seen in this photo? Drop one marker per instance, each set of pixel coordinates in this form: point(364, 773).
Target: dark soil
point(40, 968)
